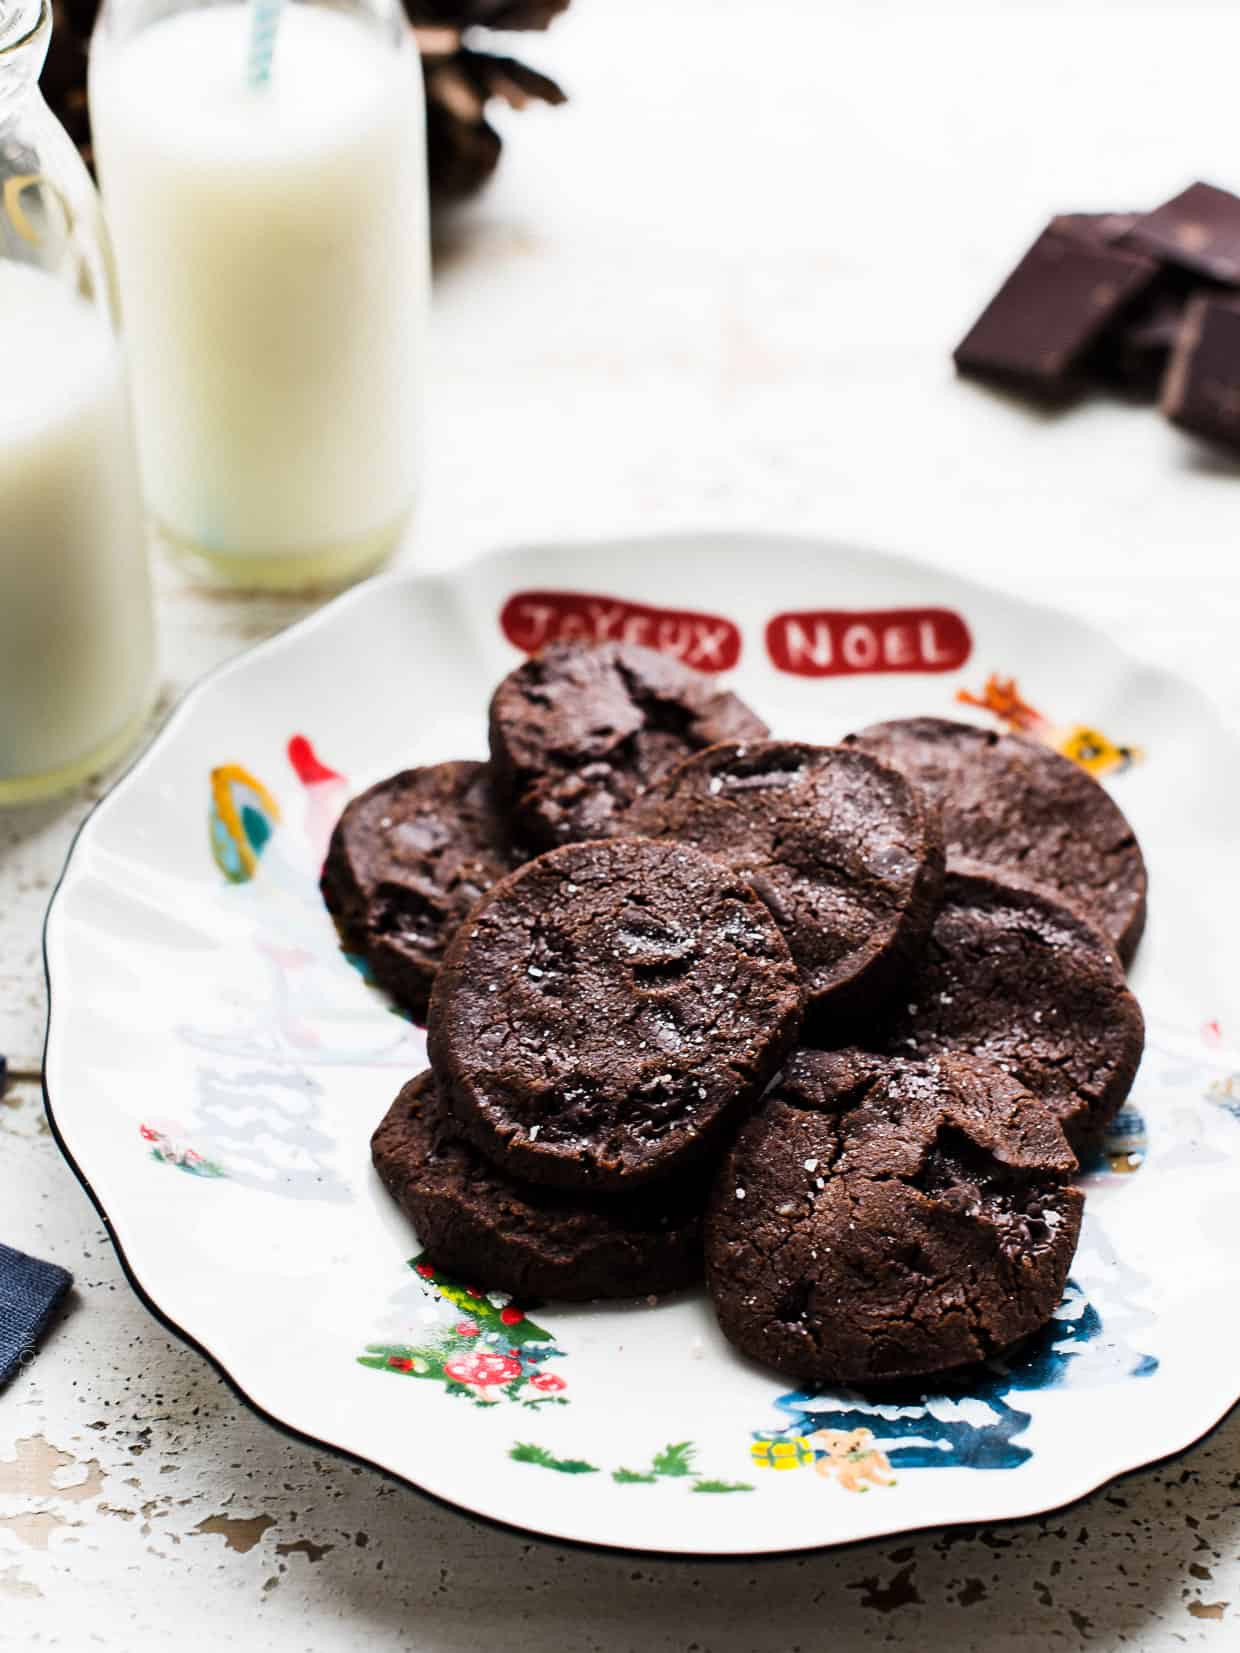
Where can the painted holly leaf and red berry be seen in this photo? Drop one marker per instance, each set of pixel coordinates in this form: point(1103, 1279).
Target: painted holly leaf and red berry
point(492, 1352)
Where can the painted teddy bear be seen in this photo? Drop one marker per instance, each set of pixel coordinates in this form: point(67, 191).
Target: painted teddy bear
point(851, 1459)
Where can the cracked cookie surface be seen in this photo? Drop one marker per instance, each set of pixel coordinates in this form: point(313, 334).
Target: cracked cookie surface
point(578, 731)
point(408, 860)
point(1016, 805)
point(480, 1225)
point(1013, 975)
point(608, 1011)
point(882, 1219)
point(844, 851)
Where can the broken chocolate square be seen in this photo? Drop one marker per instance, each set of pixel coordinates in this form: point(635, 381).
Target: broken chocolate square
point(1202, 389)
point(1132, 356)
point(1094, 226)
point(1198, 230)
point(1037, 331)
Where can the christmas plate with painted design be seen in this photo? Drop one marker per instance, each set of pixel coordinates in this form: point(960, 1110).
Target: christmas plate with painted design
point(216, 1064)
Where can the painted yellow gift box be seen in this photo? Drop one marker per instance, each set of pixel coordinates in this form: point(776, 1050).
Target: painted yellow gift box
point(790, 1453)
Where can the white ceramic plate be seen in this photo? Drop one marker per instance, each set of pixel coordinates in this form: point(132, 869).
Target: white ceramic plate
point(215, 1066)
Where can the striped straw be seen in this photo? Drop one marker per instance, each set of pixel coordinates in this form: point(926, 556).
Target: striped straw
point(264, 22)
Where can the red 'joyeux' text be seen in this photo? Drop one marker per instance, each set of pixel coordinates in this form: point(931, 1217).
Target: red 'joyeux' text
point(829, 642)
point(707, 642)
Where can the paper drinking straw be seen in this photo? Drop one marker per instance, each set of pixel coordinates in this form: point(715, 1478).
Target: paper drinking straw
point(264, 22)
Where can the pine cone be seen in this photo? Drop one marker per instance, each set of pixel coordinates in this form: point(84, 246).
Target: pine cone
point(462, 147)
point(486, 14)
point(64, 74)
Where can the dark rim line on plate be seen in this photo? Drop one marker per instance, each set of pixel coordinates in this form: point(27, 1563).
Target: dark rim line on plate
point(737, 543)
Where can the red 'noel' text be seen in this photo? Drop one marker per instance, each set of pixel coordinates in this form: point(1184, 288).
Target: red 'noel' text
point(826, 642)
point(707, 642)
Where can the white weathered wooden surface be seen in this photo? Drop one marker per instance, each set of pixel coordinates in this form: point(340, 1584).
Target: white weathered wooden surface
point(720, 289)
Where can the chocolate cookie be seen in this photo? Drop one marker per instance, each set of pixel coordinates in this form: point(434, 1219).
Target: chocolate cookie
point(578, 731)
point(847, 855)
point(1014, 804)
point(407, 861)
point(478, 1224)
point(1014, 975)
point(605, 1014)
point(879, 1220)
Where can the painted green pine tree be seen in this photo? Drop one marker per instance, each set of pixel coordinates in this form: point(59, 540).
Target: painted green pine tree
point(673, 1463)
point(527, 1452)
point(676, 1459)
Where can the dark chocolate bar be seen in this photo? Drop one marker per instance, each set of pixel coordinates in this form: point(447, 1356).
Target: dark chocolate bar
point(1202, 389)
point(1106, 227)
point(1038, 330)
point(1197, 230)
point(1132, 356)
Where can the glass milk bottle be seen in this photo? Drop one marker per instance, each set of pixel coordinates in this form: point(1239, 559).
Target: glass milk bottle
point(77, 651)
point(264, 176)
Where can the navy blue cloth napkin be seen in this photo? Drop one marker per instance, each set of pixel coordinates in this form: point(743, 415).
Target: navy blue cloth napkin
point(29, 1294)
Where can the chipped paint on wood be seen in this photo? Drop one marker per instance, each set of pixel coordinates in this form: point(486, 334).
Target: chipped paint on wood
point(303, 1546)
point(35, 1529)
point(12, 1584)
point(36, 1471)
point(1208, 1609)
point(240, 1533)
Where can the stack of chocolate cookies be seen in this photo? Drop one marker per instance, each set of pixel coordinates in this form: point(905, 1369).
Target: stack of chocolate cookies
point(830, 1024)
